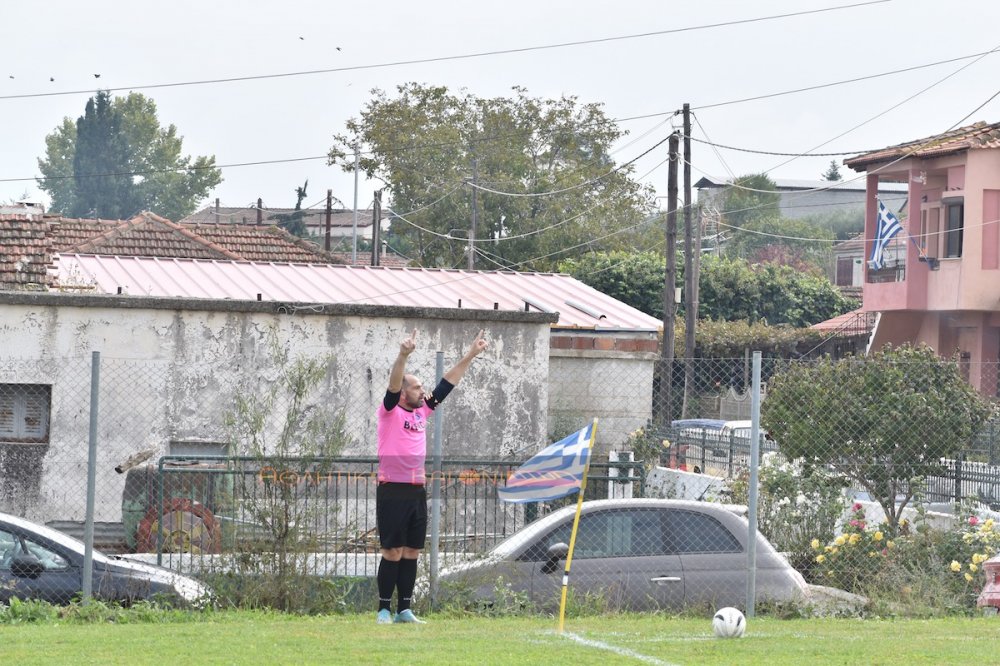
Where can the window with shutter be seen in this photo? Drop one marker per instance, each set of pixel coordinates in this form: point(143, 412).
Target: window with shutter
point(24, 412)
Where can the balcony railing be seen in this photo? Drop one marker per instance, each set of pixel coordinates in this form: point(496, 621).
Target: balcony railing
point(888, 274)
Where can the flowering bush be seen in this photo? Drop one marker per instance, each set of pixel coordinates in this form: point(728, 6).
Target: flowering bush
point(796, 503)
point(851, 559)
point(920, 567)
point(977, 541)
point(647, 446)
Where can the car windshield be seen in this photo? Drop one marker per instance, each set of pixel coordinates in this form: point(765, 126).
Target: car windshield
point(527, 534)
point(64, 540)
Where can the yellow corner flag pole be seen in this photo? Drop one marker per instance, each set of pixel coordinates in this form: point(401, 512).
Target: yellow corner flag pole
point(576, 524)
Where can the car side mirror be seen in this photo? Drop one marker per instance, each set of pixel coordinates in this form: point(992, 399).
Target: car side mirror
point(26, 566)
point(556, 552)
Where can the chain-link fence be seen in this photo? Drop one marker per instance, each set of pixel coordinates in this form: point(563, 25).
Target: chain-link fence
point(878, 476)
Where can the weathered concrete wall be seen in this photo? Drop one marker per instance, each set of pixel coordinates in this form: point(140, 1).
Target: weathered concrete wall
point(614, 386)
point(172, 369)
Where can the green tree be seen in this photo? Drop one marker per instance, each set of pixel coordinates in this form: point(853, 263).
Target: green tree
point(733, 289)
point(429, 144)
point(884, 422)
point(635, 278)
point(729, 289)
point(780, 240)
point(832, 172)
point(750, 197)
point(840, 224)
point(117, 160)
point(102, 148)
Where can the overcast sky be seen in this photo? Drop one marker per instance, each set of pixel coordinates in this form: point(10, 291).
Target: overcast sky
point(133, 45)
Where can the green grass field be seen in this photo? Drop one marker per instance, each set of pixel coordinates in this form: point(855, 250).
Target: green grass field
point(249, 638)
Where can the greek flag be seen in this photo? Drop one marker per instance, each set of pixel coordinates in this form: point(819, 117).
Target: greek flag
point(554, 472)
point(887, 226)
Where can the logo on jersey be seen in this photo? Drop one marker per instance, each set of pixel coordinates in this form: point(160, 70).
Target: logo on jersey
point(418, 424)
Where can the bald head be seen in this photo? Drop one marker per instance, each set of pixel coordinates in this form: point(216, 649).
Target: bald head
point(412, 392)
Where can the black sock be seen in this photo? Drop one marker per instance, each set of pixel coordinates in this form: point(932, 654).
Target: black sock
point(388, 575)
point(406, 582)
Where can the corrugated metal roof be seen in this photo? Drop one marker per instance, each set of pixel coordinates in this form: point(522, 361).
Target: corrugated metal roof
point(578, 305)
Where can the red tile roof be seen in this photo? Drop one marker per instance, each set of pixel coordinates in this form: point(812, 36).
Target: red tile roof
point(29, 244)
point(977, 135)
point(25, 252)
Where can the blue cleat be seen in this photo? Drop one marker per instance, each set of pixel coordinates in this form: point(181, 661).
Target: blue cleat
point(407, 616)
point(383, 617)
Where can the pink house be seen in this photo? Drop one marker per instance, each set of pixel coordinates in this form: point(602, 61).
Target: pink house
point(946, 293)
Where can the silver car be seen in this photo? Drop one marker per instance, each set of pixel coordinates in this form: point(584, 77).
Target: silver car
point(38, 562)
point(635, 554)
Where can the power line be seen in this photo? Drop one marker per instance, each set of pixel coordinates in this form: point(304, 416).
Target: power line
point(897, 105)
point(481, 54)
point(774, 153)
point(497, 137)
point(574, 187)
point(841, 82)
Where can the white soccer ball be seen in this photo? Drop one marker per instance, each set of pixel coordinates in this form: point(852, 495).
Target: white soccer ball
point(729, 623)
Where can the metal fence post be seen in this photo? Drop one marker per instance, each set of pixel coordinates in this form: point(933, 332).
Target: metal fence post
point(436, 484)
point(959, 463)
point(88, 530)
point(752, 502)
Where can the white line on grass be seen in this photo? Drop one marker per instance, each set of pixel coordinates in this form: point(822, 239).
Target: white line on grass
point(625, 652)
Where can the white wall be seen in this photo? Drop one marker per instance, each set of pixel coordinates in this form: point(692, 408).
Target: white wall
point(616, 387)
point(172, 371)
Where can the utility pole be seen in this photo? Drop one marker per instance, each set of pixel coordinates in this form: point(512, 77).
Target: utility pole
point(376, 227)
point(691, 252)
point(329, 218)
point(475, 211)
point(669, 280)
point(260, 214)
point(354, 233)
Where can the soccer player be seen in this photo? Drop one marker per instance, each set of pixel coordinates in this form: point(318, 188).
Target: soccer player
point(400, 499)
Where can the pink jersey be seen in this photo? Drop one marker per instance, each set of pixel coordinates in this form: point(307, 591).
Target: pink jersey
point(402, 443)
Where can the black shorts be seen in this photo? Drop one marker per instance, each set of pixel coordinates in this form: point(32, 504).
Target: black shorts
point(401, 515)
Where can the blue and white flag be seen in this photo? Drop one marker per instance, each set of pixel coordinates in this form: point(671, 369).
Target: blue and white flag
point(554, 472)
point(887, 226)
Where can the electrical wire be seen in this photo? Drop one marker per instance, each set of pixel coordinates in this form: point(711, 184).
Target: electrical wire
point(517, 236)
point(708, 142)
point(481, 54)
point(503, 136)
point(895, 106)
point(841, 82)
point(574, 187)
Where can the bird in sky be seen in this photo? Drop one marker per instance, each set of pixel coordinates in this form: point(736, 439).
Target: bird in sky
point(97, 76)
point(52, 78)
point(338, 48)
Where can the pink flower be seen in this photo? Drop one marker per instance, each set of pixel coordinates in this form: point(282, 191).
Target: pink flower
point(973, 520)
point(856, 507)
point(854, 523)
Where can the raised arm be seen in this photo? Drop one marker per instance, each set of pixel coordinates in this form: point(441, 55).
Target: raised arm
point(479, 345)
point(399, 366)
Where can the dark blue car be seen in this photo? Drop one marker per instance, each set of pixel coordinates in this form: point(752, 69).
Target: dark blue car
point(38, 562)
